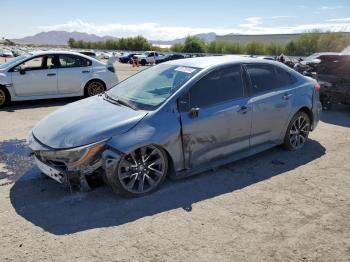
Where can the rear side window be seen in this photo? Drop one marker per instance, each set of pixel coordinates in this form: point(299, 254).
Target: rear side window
point(263, 77)
point(73, 61)
point(218, 86)
point(284, 78)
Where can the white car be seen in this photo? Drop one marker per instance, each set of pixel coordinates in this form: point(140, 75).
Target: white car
point(43, 75)
point(148, 57)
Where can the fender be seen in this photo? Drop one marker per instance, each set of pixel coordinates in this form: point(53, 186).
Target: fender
point(167, 136)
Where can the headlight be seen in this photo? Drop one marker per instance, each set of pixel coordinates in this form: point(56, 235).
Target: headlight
point(74, 157)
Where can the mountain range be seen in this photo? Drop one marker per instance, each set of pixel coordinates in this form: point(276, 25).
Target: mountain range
point(61, 38)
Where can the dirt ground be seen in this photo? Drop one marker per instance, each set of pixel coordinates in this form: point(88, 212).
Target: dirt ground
point(275, 206)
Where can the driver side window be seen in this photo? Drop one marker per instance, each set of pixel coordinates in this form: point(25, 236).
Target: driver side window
point(36, 63)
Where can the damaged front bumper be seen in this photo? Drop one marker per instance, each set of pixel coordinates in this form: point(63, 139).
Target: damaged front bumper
point(67, 165)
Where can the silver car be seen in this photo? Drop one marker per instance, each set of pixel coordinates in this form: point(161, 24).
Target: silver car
point(177, 119)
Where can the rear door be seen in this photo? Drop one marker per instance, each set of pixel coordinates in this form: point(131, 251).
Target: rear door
point(271, 100)
point(215, 117)
point(73, 72)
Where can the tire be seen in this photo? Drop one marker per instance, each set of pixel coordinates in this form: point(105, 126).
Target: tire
point(94, 87)
point(143, 62)
point(297, 132)
point(4, 97)
point(140, 172)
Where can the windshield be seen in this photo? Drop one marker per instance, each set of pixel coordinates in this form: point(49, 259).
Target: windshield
point(151, 87)
point(14, 61)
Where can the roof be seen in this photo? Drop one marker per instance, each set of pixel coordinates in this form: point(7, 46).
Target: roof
point(61, 52)
point(209, 61)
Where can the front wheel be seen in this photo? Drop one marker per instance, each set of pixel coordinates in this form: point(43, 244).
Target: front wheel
point(4, 97)
point(139, 172)
point(297, 132)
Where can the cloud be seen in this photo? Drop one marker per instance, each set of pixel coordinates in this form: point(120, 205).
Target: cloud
point(347, 19)
point(251, 22)
point(282, 16)
point(326, 8)
point(155, 31)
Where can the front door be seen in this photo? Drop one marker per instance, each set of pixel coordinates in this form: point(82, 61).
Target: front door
point(216, 119)
point(35, 77)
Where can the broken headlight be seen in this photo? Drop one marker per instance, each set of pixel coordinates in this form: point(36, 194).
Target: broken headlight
point(75, 157)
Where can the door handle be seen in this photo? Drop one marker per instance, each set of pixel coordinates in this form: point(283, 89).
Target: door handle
point(52, 74)
point(243, 110)
point(85, 71)
point(286, 96)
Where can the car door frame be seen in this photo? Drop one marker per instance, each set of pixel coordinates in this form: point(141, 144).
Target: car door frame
point(86, 70)
point(187, 165)
point(12, 70)
point(252, 95)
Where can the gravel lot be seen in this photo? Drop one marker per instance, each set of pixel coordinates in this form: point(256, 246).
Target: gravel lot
point(275, 206)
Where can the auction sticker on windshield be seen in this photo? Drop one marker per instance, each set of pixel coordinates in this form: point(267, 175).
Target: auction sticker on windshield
point(184, 69)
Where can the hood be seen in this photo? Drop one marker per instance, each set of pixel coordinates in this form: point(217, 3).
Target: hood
point(84, 122)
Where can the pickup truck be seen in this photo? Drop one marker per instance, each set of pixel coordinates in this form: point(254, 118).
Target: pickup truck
point(148, 57)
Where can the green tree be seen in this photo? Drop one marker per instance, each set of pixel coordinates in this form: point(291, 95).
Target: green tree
point(194, 44)
point(254, 48)
point(274, 49)
point(178, 47)
point(71, 42)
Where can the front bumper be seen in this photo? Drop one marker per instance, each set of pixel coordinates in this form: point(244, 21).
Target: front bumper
point(57, 175)
point(105, 161)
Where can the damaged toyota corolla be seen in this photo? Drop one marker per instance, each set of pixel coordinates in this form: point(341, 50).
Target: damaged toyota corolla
point(177, 119)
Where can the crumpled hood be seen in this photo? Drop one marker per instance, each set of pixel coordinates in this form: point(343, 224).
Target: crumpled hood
point(84, 122)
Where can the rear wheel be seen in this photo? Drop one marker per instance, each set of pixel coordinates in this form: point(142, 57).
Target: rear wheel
point(297, 132)
point(94, 87)
point(140, 172)
point(4, 97)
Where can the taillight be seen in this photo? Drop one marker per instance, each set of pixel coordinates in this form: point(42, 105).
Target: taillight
point(111, 68)
point(317, 87)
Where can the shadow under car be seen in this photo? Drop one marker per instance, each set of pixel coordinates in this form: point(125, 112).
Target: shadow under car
point(51, 207)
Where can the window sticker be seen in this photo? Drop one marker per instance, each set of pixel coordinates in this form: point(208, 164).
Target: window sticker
point(184, 69)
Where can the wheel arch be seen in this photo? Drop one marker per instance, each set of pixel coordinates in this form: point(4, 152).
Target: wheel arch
point(307, 111)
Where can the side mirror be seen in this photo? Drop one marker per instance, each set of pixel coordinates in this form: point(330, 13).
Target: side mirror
point(194, 112)
point(22, 71)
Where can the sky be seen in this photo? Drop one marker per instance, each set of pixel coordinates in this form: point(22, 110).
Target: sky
point(166, 20)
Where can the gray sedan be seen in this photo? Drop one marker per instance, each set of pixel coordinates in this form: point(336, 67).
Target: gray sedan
point(177, 119)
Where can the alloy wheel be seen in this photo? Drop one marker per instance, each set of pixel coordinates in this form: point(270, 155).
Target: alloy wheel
point(142, 170)
point(2, 97)
point(299, 132)
point(95, 88)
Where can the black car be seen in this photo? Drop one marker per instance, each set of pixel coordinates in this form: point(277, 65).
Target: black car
point(169, 58)
point(126, 58)
point(333, 74)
